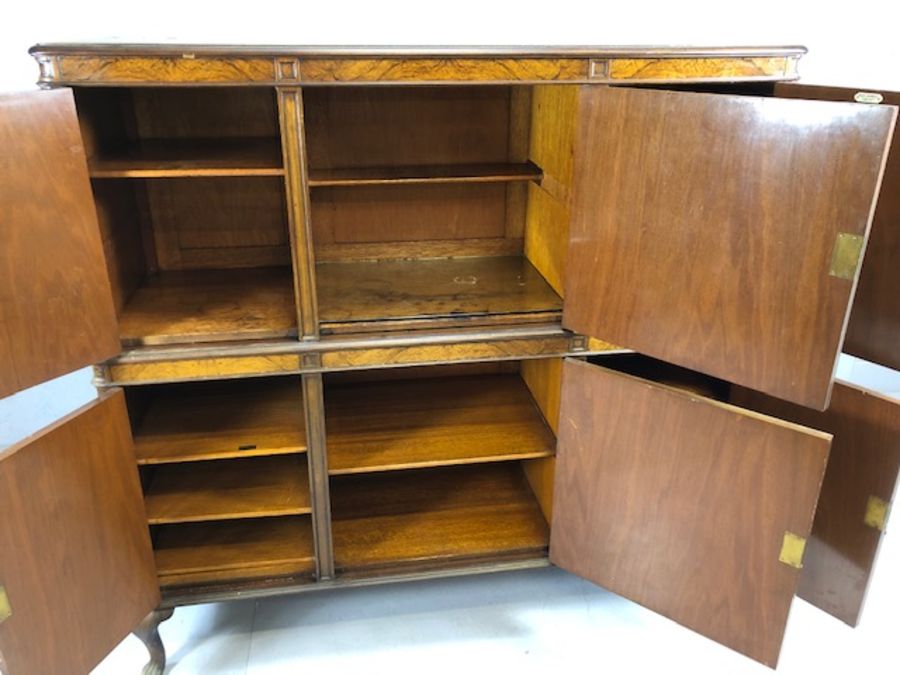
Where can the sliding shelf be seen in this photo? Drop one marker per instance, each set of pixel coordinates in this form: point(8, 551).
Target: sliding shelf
point(208, 421)
point(228, 489)
point(434, 518)
point(235, 550)
point(185, 158)
point(395, 294)
point(382, 426)
point(453, 173)
point(210, 305)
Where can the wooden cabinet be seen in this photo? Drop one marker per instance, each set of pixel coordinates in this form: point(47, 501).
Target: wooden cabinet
point(355, 318)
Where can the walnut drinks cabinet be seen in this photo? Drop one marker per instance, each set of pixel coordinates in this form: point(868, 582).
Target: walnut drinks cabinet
point(361, 315)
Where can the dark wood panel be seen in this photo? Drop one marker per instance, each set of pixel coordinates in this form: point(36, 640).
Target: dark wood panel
point(864, 464)
point(210, 305)
point(204, 553)
point(221, 421)
point(681, 504)
point(874, 329)
point(56, 305)
point(381, 426)
point(394, 291)
point(717, 217)
point(75, 556)
point(227, 489)
point(435, 517)
point(452, 173)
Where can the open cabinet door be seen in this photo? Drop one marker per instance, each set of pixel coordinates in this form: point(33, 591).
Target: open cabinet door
point(722, 233)
point(874, 330)
point(56, 306)
point(859, 486)
point(693, 508)
point(76, 565)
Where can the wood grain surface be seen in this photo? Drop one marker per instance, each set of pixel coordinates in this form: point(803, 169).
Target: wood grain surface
point(681, 504)
point(382, 426)
point(221, 420)
point(864, 463)
point(56, 305)
point(449, 173)
point(75, 556)
point(386, 291)
point(386, 70)
point(235, 550)
point(874, 327)
point(435, 517)
point(716, 255)
point(227, 489)
point(210, 305)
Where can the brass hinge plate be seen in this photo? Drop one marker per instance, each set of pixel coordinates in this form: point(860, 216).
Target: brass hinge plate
point(5, 607)
point(877, 513)
point(792, 547)
point(846, 255)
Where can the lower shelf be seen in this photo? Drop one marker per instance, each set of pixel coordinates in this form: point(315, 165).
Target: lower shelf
point(236, 550)
point(435, 517)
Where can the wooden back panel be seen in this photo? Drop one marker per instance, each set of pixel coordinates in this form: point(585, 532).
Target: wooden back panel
point(56, 307)
point(681, 504)
point(874, 329)
point(704, 229)
point(363, 127)
point(75, 555)
point(864, 464)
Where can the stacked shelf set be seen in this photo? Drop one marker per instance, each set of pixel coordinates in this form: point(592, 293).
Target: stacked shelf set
point(362, 315)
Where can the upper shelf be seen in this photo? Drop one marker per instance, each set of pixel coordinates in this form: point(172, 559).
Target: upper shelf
point(186, 158)
point(392, 175)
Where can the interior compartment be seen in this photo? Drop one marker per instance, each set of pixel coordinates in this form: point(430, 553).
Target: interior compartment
point(190, 199)
point(419, 200)
point(225, 478)
point(440, 465)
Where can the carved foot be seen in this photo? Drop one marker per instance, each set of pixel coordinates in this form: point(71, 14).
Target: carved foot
point(148, 633)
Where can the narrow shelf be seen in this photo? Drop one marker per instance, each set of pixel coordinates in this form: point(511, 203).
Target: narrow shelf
point(185, 158)
point(228, 489)
point(190, 423)
point(210, 305)
point(235, 550)
point(454, 173)
point(394, 294)
point(435, 517)
point(381, 426)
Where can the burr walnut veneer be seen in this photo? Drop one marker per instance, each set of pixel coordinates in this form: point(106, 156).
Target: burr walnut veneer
point(362, 315)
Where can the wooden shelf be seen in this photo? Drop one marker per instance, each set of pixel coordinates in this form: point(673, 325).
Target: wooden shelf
point(381, 426)
point(454, 173)
point(394, 294)
point(228, 489)
point(202, 553)
point(187, 423)
point(435, 517)
point(185, 158)
point(210, 305)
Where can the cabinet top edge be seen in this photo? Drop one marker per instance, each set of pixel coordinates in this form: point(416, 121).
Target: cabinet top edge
point(411, 51)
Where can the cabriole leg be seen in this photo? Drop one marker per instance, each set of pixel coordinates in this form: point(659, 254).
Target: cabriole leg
point(148, 633)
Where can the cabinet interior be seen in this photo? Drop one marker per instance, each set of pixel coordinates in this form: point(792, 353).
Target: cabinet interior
point(189, 189)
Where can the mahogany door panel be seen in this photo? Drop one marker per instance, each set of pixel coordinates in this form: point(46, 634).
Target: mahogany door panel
point(718, 232)
point(684, 504)
point(874, 329)
point(75, 558)
point(56, 308)
point(859, 486)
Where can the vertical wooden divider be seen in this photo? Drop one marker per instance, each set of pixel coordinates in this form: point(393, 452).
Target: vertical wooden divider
point(293, 150)
point(317, 455)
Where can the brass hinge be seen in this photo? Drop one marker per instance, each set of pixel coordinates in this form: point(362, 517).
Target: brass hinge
point(846, 255)
point(792, 547)
point(877, 513)
point(5, 607)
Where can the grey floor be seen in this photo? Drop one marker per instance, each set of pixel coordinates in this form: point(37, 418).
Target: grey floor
point(529, 621)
